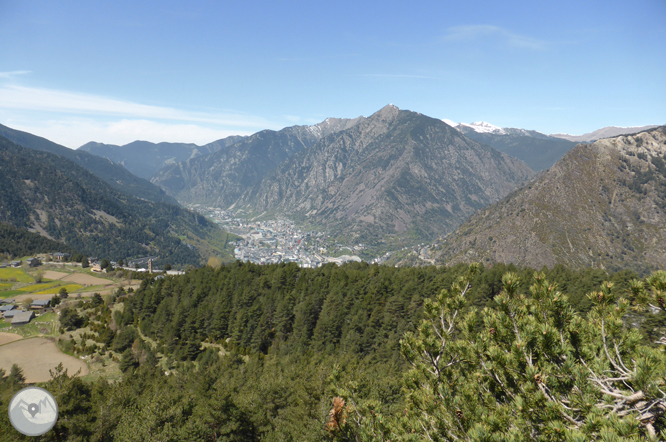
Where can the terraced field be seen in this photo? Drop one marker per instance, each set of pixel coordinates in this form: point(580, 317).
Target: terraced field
point(15, 282)
point(53, 290)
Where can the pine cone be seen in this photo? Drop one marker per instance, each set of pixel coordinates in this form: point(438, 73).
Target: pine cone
point(491, 331)
point(537, 378)
point(459, 413)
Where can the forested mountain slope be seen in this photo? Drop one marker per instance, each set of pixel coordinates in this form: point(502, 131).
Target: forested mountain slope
point(356, 309)
point(16, 242)
point(144, 158)
point(62, 201)
point(602, 205)
point(220, 178)
point(397, 174)
point(114, 175)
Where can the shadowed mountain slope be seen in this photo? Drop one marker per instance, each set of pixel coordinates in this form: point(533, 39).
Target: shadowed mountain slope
point(114, 175)
point(144, 158)
point(537, 150)
point(60, 200)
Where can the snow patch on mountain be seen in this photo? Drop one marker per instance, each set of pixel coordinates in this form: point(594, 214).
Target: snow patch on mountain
point(484, 128)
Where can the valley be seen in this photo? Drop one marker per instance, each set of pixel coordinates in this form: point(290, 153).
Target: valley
point(336, 262)
point(333, 222)
point(281, 241)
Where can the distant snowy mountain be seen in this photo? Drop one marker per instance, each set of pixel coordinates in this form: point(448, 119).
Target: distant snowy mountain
point(538, 150)
point(482, 127)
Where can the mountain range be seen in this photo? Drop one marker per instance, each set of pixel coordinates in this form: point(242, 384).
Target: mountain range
point(144, 158)
point(604, 132)
point(222, 177)
point(396, 177)
point(57, 198)
point(115, 175)
point(602, 205)
point(395, 173)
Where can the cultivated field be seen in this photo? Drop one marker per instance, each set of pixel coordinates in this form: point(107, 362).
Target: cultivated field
point(6, 338)
point(81, 278)
point(37, 356)
point(50, 274)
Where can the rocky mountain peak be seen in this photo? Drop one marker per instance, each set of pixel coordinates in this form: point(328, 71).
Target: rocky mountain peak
point(388, 112)
point(396, 176)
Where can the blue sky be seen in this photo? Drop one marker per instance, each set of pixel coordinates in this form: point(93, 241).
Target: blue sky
point(196, 71)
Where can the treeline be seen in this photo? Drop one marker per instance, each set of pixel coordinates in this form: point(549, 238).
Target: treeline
point(21, 242)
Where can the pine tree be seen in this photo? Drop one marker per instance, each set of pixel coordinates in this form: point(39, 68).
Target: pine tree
point(530, 368)
point(16, 376)
point(128, 361)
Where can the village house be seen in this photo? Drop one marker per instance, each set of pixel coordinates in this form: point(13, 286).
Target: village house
point(39, 304)
point(60, 257)
point(6, 308)
point(10, 315)
point(22, 318)
point(33, 262)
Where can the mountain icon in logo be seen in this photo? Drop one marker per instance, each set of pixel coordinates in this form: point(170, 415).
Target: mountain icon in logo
point(33, 411)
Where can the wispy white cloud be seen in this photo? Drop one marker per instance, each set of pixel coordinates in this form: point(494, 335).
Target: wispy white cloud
point(475, 32)
point(49, 100)
point(72, 119)
point(12, 74)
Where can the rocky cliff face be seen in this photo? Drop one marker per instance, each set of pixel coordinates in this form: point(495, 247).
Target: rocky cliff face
point(395, 173)
point(220, 178)
point(602, 205)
